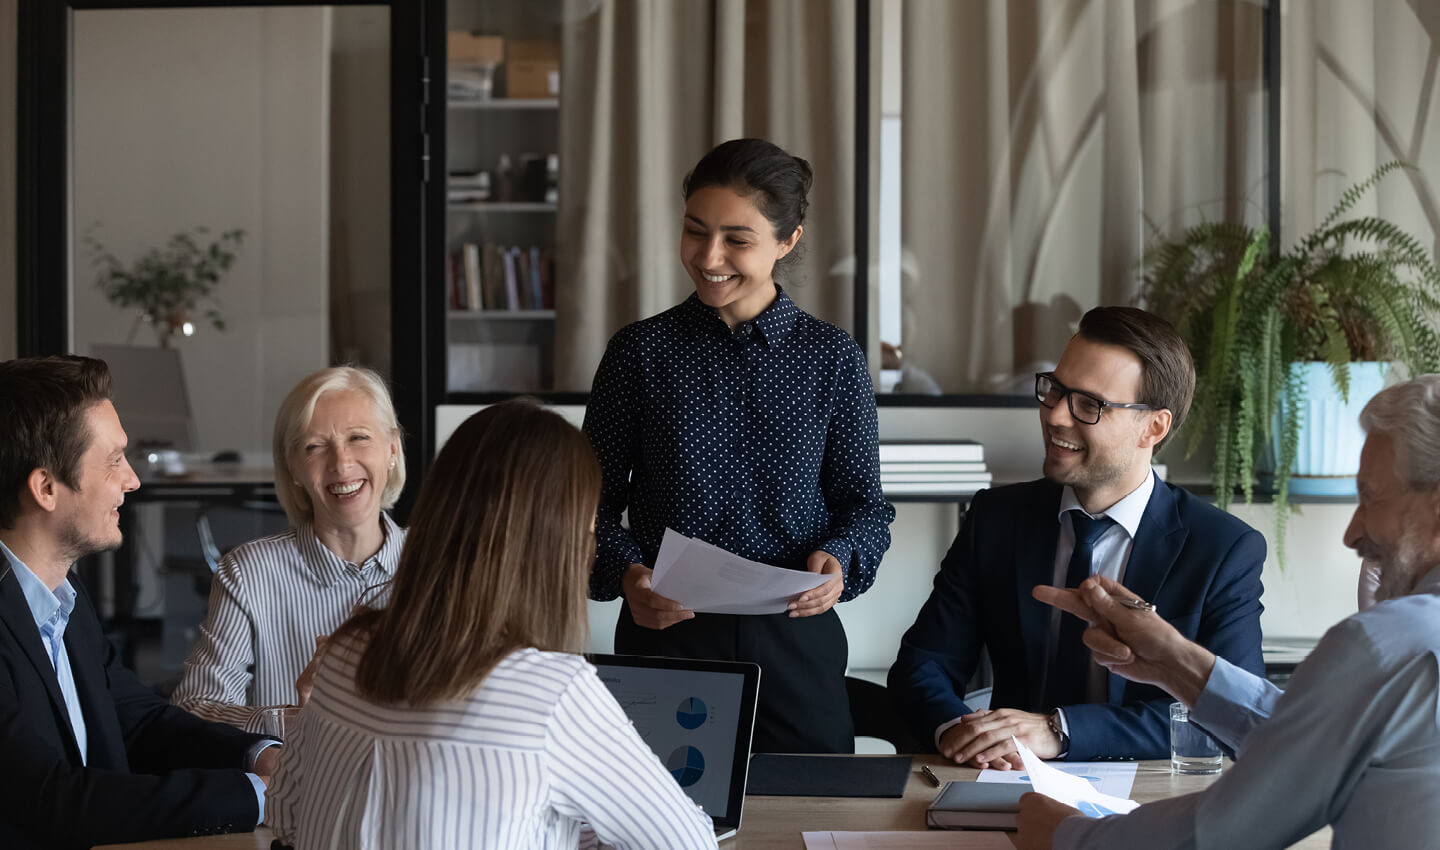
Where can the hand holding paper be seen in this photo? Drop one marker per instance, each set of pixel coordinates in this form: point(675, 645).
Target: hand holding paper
point(1071, 790)
point(706, 578)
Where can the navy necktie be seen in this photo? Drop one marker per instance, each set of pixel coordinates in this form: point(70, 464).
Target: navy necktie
point(1070, 669)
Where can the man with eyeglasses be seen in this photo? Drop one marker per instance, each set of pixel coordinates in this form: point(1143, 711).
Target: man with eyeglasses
point(1121, 389)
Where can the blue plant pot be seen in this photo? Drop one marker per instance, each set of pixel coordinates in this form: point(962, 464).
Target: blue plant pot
point(1327, 454)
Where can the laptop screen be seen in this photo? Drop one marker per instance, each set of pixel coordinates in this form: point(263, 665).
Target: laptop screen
point(697, 716)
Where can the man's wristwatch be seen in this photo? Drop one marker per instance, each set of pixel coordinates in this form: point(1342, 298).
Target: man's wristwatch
point(1058, 730)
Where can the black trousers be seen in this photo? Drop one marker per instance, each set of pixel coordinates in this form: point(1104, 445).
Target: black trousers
point(802, 703)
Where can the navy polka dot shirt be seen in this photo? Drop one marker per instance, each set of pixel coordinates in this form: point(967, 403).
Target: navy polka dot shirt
point(761, 441)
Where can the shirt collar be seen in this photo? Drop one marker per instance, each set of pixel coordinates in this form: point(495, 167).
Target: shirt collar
point(43, 603)
point(330, 567)
point(773, 324)
point(1127, 512)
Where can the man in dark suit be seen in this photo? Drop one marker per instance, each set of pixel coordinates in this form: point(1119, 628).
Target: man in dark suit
point(91, 755)
point(1122, 386)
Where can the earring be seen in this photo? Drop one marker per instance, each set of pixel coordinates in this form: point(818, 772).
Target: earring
point(392, 463)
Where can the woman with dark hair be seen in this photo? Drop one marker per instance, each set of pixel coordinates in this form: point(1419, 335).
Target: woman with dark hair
point(459, 715)
point(739, 419)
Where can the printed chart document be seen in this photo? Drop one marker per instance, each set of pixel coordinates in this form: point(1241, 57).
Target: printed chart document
point(1071, 790)
point(1108, 777)
point(711, 580)
point(977, 840)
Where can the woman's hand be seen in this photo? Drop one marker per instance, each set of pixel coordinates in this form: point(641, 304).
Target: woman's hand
point(823, 598)
point(648, 608)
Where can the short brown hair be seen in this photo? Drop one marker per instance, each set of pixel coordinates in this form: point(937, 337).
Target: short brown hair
point(1167, 373)
point(497, 558)
point(43, 401)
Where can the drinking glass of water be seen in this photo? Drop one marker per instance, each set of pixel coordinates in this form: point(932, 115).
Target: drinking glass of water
point(1191, 749)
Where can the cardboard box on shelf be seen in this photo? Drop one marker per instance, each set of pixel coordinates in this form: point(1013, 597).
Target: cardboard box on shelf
point(470, 49)
point(533, 69)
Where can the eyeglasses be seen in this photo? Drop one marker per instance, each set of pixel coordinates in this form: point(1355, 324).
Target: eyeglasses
point(373, 598)
point(1085, 408)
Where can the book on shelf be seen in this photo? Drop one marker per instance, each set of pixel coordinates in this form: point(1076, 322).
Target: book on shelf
point(474, 280)
point(493, 262)
point(957, 466)
point(976, 805)
point(537, 296)
point(512, 295)
point(917, 451)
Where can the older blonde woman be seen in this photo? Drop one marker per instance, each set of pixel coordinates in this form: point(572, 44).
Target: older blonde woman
point(338, 466)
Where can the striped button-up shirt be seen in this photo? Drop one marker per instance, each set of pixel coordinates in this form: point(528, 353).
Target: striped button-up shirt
point(540, 746)
point(270, 599)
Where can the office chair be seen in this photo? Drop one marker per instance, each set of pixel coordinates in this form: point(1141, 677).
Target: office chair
point(874, 714)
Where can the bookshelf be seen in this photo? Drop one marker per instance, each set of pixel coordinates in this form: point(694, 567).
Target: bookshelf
point(502, 176)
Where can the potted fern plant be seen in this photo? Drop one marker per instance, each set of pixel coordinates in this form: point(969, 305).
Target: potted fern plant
point(1347, 299)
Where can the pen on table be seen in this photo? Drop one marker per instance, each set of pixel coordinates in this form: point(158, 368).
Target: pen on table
point(929, 775)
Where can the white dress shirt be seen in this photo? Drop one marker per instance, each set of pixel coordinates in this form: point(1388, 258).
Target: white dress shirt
point(540, 746)
point(269, 601)
point(1354, 742)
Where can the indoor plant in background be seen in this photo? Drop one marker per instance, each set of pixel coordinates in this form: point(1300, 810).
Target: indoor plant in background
point(1277, 334)
point(167, 284)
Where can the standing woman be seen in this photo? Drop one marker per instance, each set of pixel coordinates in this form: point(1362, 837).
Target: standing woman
point(739, 419)
point(460, 714)
point(338, 467)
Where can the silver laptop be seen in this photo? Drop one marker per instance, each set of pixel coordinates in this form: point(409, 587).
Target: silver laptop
point(698, 717)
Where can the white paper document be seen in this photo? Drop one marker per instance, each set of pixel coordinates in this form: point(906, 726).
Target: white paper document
point(1108, 777)
point(1071, 790)
point(951, 839)
point(709, 579)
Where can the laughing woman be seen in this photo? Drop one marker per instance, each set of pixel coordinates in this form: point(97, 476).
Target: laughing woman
point(338, 467)
point(739, 419)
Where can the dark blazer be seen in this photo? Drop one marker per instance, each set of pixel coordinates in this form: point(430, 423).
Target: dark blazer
point(132, 787)
point(1198, 564)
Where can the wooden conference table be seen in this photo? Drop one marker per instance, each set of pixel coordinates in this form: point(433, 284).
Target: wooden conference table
point(775, 823)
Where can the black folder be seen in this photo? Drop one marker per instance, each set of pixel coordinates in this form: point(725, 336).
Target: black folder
point(827, 776)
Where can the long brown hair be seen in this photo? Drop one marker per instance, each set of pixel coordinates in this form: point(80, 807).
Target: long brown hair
point(496, 559)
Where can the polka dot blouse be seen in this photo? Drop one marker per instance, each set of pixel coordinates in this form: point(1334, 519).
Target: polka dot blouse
point(761, 441)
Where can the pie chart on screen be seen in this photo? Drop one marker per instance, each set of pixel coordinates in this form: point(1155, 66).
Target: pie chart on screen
point(691, 713)
point(687, 765)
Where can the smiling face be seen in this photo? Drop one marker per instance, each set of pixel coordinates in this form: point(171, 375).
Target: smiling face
point(343, 460)
point(1107, 460)
point(1396, 528)
point(88, 518)
point(729, 250)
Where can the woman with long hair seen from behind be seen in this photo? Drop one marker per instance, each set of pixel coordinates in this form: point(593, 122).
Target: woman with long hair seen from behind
point(460, 715)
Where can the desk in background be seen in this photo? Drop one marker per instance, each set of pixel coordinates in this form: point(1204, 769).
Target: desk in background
point(775, 823)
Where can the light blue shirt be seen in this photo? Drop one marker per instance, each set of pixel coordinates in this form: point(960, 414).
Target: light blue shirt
point(52, 611)
point(1354, 742)
point(52, 614)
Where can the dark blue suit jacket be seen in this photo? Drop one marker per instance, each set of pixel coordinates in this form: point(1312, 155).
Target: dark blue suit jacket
point(1198, 564)
point(151, 770)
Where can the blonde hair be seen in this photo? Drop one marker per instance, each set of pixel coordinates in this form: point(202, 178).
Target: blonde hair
point(294, 417)
point(497, 558)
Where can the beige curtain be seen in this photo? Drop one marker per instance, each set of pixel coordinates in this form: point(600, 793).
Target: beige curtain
point(650, 86)
point(1038, 138)
point(1360, 89)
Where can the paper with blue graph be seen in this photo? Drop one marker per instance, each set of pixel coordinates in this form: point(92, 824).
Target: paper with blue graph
point(1081, 789)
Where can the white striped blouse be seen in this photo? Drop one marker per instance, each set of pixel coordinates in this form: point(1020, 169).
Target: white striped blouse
point(539, 747)
point(269, 600)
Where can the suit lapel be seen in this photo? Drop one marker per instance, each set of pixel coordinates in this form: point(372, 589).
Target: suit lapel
point(1158, 542)
point(87, 647)
point(21, 624)
point(1037, 532)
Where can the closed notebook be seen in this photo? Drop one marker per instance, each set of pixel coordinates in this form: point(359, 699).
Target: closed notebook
point(976, 805)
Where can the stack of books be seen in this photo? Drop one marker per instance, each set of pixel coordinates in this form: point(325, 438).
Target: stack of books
point(499, 277)
point(932, 468)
